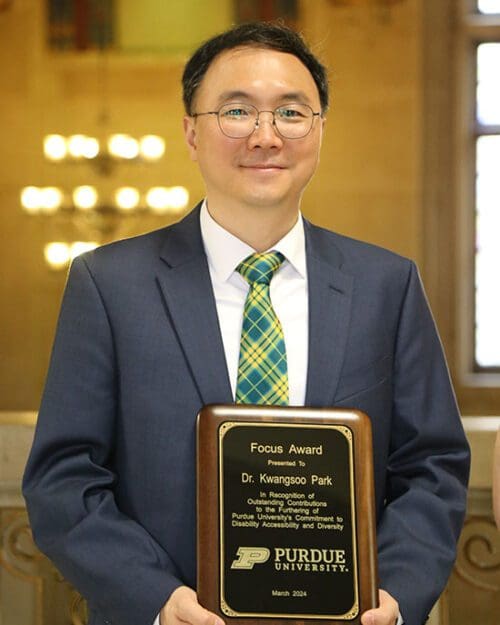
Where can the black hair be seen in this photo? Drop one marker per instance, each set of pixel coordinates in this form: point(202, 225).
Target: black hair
point(272, 35)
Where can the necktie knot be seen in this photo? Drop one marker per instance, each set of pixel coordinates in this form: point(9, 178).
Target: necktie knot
point(260, 268)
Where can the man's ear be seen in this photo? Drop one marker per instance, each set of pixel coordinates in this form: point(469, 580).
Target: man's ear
point(190, 136)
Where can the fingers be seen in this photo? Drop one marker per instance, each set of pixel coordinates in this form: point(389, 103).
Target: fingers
point(182, 608)
point(386, 614)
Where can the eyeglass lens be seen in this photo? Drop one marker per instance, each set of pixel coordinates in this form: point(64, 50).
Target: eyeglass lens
point(292, 121)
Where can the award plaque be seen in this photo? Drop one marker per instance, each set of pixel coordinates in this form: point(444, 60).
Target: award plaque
point(286, 520)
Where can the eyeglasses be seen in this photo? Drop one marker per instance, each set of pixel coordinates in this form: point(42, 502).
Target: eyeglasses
point(237, 120)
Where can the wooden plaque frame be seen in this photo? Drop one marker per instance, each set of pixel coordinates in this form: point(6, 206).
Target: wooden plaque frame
point(307, 452)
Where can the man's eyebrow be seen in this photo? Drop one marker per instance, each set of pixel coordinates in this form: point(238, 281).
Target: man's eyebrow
point(235, 95)
point(295, 96)
point(227, 96)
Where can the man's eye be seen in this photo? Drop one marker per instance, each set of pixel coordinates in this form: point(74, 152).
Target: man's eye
point(235, 113)
point(289, 113)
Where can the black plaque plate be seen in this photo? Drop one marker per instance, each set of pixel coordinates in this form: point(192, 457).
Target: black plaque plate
point(287, 516)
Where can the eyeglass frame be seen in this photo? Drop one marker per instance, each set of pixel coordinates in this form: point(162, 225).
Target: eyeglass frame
point(257, 120)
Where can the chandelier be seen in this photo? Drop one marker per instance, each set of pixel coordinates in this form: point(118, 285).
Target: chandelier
point(98, 210)
point(120, 147)
point(84, 201)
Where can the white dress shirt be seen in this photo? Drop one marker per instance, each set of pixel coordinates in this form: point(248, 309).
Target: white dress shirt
point(288, 292)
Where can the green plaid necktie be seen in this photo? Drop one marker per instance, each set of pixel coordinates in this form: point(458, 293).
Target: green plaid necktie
point(262, 369)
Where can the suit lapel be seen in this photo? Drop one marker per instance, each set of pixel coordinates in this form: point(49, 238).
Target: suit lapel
point(186, 287)
point(184, 280)
point(330, 293)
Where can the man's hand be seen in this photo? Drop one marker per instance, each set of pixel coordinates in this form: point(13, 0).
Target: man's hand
point(183, 608)
point(386, 614)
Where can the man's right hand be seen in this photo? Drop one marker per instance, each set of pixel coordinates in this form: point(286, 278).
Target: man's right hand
point(182, 608)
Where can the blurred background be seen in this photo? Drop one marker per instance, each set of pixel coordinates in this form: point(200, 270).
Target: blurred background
point(92, 149)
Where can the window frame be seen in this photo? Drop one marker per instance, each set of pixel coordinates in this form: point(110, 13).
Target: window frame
point(448, 192)
point(474, 29)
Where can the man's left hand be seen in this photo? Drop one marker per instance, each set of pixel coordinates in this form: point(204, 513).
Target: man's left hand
point(386, 614)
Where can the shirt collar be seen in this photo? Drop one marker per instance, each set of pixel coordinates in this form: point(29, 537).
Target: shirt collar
point(225, 251)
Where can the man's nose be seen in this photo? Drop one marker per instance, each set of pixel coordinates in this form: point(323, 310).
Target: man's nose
point(265, 132)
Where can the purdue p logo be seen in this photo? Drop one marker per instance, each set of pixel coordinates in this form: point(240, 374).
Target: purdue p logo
point(248, 556)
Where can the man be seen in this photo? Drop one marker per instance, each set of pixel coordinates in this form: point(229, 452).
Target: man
point(150, 329)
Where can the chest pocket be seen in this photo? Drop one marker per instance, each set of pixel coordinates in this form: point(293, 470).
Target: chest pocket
point(363, 378)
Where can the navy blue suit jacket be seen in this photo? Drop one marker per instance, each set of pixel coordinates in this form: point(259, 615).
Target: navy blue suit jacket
point(110, 483)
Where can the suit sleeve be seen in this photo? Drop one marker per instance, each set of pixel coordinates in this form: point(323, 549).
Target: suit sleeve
point(428, 466)
point(69, 480)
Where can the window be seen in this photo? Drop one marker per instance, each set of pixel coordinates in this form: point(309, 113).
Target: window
point(487, 200)
point(80, 24)
point(481, 169)
point(489, 6)
point(461, 196)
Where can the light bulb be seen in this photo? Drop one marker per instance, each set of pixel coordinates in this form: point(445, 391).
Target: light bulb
point(57, 254)
point(31, 199)
point(123, 146)
point(157, 198)
point(79, 247)
point(127, 198)
point(51, 199)
point(76, 145)
point(152, 147)
point(55, 147)
point(85, 197)
point(178, 198)
point(90, 148)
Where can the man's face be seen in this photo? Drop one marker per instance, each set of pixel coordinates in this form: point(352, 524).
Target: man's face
point(264, 169)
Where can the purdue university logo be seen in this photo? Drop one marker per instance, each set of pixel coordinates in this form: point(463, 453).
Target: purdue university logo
point(248, 556)
point(293, 559)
